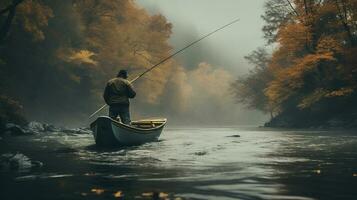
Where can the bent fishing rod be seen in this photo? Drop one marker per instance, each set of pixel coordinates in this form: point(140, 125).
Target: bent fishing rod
point(169, 57)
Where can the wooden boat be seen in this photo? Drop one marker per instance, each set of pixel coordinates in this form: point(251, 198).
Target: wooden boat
point(108, 132)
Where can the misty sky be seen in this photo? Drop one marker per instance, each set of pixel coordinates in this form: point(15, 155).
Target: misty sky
point(192, 19)
point(225, 49)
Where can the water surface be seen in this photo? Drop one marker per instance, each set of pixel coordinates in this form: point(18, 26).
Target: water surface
point(187, 163)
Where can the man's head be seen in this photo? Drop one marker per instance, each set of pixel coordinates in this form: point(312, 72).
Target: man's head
point(123, 74)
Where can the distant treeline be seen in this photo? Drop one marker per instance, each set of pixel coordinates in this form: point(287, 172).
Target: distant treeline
point(56, 56)
point(310, 77)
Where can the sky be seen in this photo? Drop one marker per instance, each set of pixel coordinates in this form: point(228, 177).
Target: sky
point(192, 19)
point(224, 51)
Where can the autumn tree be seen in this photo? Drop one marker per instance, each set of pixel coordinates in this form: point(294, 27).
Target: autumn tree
point(311, 66)
point(249, 89)
point(58, 54)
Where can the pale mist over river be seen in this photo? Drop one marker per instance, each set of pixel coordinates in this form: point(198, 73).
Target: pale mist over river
point(187, 163)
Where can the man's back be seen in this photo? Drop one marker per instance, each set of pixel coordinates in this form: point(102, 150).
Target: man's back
point(118, 91)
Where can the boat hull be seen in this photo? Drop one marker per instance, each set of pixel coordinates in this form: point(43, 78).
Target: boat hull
point(108, 132)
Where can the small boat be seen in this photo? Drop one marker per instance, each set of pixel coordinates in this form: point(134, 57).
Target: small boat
point(108, 132)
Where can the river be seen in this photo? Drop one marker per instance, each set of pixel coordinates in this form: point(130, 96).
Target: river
point(187, 163)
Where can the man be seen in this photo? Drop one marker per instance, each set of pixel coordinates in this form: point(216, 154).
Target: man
point(116, 94)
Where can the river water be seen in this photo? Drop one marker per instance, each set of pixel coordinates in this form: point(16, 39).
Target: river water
point(187, 163)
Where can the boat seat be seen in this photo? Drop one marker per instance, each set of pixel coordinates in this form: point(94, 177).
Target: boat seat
point(146, 124)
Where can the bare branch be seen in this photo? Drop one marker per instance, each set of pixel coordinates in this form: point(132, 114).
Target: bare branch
point(292, 7)
point(345, 23)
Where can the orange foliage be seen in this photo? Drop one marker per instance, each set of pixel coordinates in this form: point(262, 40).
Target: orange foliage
point(34, 16)
point(289, 80)
point(121, 35)
point(313, 54)
point(341, 92)
point(294, 37)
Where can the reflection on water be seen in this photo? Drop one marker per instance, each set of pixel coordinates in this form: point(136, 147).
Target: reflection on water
point(188, 163)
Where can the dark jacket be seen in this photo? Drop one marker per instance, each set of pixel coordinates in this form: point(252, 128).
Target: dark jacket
point(118, 91)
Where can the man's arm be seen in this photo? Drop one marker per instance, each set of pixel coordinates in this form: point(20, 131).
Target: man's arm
point(131, 91)
point(106, 94)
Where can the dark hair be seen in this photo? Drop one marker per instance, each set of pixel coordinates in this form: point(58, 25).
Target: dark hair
point(123, 73)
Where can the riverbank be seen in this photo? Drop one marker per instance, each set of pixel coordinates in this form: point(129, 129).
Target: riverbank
point(305, 121)
point(35, 127)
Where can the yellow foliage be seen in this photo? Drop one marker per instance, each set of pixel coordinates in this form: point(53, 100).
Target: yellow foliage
point(163, 195)
point(118, 194)
point(312, 98)
point(127, 37)
point(294, 37)
point(147, 194)
point(98, 191)
point(289, 80)
point(83, 56)
point(34, 15)
point(315, 56)
point(328, 44)
point(341, 92)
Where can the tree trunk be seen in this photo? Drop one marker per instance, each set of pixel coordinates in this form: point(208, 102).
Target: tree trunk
point(305, 4)
point(5, 28)
point(343, 19)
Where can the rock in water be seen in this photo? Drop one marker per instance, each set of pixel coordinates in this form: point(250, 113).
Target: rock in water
point(234, 136)
point(17, 161)
point(85, 130)
point(35, 127)
point(16, 130)
point(200, 153)
point(77, 131)
point(38, 127)
point(20, 161)
point(50, 128)
point(9, 126)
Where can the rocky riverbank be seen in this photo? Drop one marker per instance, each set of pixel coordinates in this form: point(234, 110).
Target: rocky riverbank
point(31, 128)
point(289, 121)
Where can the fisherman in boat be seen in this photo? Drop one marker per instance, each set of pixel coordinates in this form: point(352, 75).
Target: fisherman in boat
point(117, 93)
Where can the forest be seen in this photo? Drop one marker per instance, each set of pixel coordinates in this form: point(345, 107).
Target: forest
point(264, 108)
point(56, 56)
point(306, 74)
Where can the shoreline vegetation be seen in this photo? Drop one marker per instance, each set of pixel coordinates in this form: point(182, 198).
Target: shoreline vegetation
point(56, 56)
point(305, 76)
point(309, 78)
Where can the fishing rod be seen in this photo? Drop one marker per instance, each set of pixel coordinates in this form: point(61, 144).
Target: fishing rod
point(169, 57)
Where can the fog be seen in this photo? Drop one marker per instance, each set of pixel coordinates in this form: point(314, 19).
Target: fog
point(224, 51)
